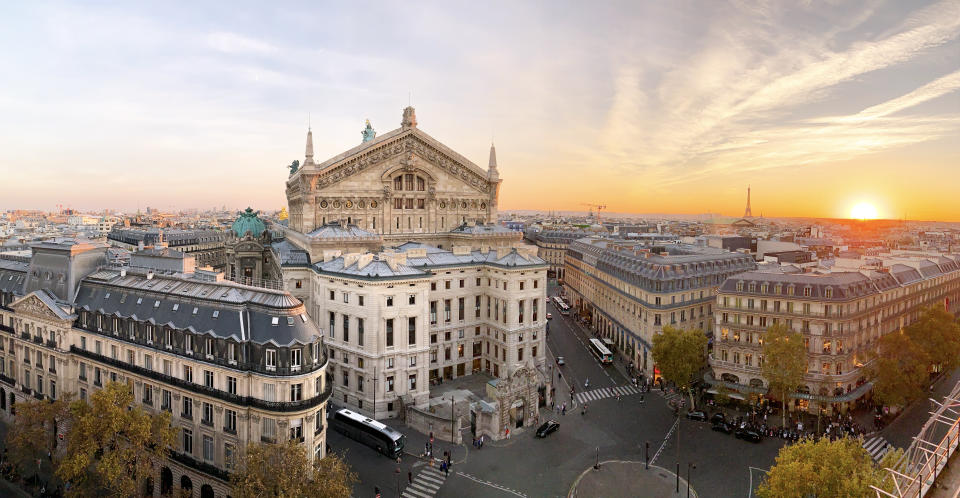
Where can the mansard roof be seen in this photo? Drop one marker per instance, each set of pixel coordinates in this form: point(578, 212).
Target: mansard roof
point(220, 309)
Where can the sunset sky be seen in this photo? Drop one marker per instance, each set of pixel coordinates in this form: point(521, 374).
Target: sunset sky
point(646, 106)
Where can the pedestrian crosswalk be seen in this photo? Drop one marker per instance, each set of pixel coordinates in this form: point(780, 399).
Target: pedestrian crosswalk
point(670, 395)
point(877, 446)
point(605, 392)
point(425, 485)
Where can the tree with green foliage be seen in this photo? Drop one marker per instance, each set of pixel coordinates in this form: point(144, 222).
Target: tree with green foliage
point(283, 469)
point(112, 444)
point(898, 370)
point(784, 362)
point(825, 468)
point(34, 431)
point(679, 354)
point(937, 334)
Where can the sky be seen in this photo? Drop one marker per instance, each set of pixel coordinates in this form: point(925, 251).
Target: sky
point(644, 106)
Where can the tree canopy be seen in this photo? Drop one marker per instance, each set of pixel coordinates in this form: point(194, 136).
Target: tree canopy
point(824, 468)
point(283, 470)
point(679, 354)
point(34, 430)
point(937, 334)
point(112, 444)
point(898, 370)
point(784, 361)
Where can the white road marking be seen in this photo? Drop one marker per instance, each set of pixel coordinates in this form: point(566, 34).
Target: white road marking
point(492, 485)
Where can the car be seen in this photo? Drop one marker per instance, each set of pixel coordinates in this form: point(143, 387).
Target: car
point(547, 428)
point(697, 415)
point(721, 426)
point(718, 417)
point(561, 361)
point(549, 316)
point(748, 435)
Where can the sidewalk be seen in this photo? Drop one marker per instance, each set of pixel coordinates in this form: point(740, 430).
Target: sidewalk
point(622, 478)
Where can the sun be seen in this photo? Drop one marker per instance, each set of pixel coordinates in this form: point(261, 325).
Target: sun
point(863, 211)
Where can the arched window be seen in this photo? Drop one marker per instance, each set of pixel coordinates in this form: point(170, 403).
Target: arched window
point(398, 182)
point(421, 184)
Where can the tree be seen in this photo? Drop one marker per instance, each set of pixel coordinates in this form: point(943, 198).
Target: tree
point(679, 354)
point(34, 431)
point(822, 468)
point(898, 370)
point(112, 444)
point(284, 470)
point(784, 362)
point(937, 334)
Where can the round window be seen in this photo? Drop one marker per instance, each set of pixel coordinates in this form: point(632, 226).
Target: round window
point(323, 204)
point(483, 205)
point(349, 204)
point(361, 204)
point(336, 204)
point(373, 204)
point(443, 205)
point(463, 205)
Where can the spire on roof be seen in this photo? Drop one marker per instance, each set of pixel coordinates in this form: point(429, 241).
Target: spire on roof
point(492, 172)
point(309, 151)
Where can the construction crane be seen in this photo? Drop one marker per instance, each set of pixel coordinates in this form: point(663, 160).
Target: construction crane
point(598, 206)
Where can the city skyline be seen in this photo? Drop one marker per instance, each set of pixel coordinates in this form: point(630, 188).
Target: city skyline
point(670, 109)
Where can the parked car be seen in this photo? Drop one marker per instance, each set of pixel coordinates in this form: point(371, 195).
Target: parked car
point(560, 361)
point(697, 415)
point(721, 426)
point(718, 417)
point(547, 428)
point(549, 316)
point(748, 435)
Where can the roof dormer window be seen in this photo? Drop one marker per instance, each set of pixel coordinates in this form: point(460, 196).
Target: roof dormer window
point(216, 313)
point(156, 304)
point(176, 306)
point(829, 292)
point(275, 321)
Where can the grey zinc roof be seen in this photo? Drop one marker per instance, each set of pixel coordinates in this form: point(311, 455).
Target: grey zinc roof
point(290, 255)
point(376, 268)
point(335, 231)
point(845, 285)
point(243, 313)
point(483, 229)
point(12, 274)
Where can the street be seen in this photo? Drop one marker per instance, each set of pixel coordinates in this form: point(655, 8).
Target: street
point(610, 430)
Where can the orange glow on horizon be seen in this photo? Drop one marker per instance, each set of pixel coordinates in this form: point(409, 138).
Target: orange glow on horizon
point(863, 211)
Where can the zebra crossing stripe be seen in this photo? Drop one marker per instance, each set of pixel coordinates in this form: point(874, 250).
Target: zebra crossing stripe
point(430, 479)
point(427, 482)
point(421, 487)
point(416, 494)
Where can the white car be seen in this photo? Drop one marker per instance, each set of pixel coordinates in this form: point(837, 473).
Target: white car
point(560, 361)
point(549, 316)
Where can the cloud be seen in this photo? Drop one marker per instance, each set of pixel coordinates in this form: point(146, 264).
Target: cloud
point(233, 43)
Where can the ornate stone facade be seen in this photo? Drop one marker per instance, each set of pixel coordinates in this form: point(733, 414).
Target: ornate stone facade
point(403, 181)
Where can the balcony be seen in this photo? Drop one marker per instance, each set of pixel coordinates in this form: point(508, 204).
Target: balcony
point(38, 395)
point(204, 467)
point(37, 339)
point(51, 343)
point(24, 335)
point(8, 329)
point(8, 380)
point(276, 406)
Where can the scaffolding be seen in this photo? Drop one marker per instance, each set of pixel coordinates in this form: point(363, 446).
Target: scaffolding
point(916, 472)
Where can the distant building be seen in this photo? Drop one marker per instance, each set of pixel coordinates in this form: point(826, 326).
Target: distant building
point(207, 246)
point(841, 312)
point(552, 247)
point(630, 290)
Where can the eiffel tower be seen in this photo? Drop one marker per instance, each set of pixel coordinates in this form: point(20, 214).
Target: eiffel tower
point(747, 213)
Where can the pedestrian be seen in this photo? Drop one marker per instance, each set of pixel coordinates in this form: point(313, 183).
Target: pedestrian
point(446, 470)
point(409, 477)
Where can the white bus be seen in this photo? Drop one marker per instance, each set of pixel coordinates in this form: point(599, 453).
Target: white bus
point(601, 352)
point(561, 306)
point(376, 435)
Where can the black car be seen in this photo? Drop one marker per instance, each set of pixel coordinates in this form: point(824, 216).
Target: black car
point(547, 428)
point(748, 435)
point(721, 426)
point(697, 415)
point(718, 417)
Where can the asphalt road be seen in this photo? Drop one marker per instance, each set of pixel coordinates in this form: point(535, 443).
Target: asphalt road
point(525, 466)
